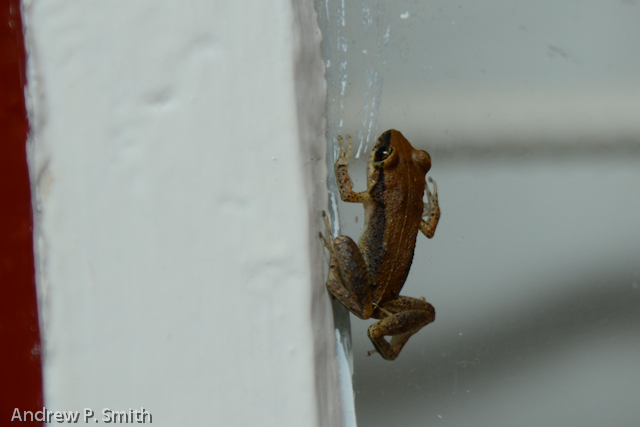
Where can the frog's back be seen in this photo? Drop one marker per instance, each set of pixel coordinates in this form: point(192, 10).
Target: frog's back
point(392, 219)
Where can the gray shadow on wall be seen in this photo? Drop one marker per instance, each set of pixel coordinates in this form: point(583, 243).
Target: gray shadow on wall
point(526, 354)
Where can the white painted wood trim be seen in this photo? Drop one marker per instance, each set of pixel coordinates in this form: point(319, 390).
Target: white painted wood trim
point(177, 156)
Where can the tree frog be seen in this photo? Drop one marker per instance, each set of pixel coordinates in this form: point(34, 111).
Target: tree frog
point(367, 277)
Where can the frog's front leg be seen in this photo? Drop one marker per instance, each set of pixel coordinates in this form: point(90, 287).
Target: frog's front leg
point(349, 280)
point(401, 318)
point(342, 174)
point(431, 211)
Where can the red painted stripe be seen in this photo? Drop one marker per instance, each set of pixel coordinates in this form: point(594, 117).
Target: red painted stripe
point(20, 368)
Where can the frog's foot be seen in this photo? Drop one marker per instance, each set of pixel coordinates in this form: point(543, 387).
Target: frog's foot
point(431, 211)
point(409, 316)
point(345, 185)
point(432, 199)
point(344, 156)
point(327, 241)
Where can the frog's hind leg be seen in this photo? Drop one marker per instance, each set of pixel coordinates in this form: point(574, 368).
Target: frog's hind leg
point(401, 318)
point(349, 280)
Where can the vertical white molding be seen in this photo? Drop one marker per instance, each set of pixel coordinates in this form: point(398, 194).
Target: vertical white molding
point(177, 158)
point(311, 95)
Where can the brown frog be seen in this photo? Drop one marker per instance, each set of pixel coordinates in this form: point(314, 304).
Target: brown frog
point(367, 277)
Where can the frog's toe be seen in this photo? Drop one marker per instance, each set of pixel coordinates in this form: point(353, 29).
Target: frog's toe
point(327, 223)
point(435, 186)
point(326, 242)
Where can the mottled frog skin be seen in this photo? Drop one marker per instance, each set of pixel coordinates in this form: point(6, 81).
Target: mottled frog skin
point(367, 277)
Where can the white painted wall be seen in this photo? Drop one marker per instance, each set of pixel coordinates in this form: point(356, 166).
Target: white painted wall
point(177, 159)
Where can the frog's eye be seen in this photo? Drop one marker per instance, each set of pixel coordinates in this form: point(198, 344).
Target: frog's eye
point(383, 153)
